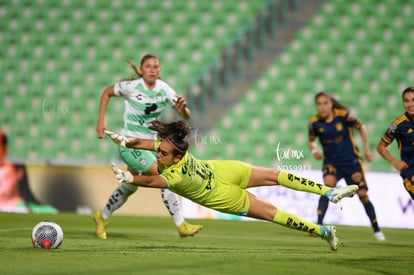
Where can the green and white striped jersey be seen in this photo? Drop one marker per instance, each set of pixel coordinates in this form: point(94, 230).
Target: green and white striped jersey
point(143, 106)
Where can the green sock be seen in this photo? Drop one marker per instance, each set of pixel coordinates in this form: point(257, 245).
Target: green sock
point(300, 183)
point(293, 221)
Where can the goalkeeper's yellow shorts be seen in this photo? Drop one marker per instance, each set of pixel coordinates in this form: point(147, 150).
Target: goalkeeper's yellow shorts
point(232, 178)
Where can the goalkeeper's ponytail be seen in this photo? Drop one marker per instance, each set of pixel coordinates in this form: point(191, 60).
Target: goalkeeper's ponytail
point(175, 133)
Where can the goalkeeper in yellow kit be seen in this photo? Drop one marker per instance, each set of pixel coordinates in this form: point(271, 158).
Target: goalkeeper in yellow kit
point(221, 184)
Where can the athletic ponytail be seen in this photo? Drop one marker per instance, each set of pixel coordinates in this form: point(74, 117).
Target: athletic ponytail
point(335, 103)
point(175, 133)
point(134, 67)
point(137, 70)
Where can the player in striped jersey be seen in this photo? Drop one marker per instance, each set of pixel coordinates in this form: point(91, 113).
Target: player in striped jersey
point(145, 98)
point(334, 125)
point(221, 184)
point(402, 129)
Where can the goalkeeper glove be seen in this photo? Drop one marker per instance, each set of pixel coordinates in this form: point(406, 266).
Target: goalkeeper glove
point(122, 176)
point(118, 139)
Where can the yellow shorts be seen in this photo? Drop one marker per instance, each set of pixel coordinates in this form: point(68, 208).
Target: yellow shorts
point(231, 178)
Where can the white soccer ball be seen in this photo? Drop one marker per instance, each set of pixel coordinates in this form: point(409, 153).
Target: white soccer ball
point(47, 235)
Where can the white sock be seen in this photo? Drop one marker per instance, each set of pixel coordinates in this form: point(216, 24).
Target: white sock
point(118, 198)
point(172, 204)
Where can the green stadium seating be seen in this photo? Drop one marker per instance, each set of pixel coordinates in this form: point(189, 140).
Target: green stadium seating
point(60, 55)
point(342, 52)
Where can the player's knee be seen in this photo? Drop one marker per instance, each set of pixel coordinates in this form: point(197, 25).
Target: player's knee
point(357, 177)
point(330, 180)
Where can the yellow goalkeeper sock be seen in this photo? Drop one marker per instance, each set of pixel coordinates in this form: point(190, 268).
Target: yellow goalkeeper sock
point(300, 183)
point(293, 221)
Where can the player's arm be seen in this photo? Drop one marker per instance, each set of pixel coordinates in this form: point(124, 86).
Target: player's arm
point(313, 146)
point(106, 95)
point(131, 142)
point(153, 181)
point(181, 107)
point(385, 153)
point(364, 136)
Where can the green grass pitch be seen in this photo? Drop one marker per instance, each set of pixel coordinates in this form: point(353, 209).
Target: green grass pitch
point(150, 245)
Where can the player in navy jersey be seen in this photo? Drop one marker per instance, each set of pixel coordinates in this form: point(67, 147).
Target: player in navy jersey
point(334, 125)
point(145, 98)
point(402, 129)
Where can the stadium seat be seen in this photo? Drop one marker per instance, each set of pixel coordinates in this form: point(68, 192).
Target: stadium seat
point(340, 52)
point(65, 59)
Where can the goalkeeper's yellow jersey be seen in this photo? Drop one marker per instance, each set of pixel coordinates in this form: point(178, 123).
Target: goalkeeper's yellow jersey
point(216, 184)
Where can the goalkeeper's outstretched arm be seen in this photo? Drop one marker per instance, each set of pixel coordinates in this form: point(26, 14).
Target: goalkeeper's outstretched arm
point(131, 142)
point(139, 143)
point(151, 181)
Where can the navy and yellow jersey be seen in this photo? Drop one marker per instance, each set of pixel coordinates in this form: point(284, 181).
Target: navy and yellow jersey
point(216, 184)
point(402, 129)
point(336, 137)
